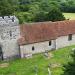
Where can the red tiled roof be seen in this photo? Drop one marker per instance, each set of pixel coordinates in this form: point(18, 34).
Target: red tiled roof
point(66, 27)
point(43, 31)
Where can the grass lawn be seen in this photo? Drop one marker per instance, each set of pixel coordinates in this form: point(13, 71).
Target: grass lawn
point(26, 66)
point(70, 16)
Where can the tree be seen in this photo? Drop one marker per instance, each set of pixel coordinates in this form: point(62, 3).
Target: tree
point(55, 15)
point(13, 2)
point(5, 8)
point(24, 8)
point(40, 17)
point(24, 17)
point(68, 6)
point(46, 5)
point(69, 69)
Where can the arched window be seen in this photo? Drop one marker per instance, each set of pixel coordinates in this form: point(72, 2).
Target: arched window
point(33, 48)
point(70, 37)
point(49, 43)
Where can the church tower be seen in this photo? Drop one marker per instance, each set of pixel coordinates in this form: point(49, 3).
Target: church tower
point(9, 34)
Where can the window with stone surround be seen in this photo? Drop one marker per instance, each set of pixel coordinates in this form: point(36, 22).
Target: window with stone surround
point(49, 43)
point(33, 48)
point(69, 37)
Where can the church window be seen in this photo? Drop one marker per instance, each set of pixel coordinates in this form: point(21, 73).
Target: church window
point(70, 37)
point(33, 48)
point(49, 43)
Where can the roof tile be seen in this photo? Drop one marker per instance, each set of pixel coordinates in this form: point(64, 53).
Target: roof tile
point(43, 31)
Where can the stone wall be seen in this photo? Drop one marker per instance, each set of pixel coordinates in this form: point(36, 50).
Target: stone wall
point(10, 49)
point(38, 48)
point(60, 42)
point(9, 28)
point(63, 41)
point(8, 21)
point(9, 34)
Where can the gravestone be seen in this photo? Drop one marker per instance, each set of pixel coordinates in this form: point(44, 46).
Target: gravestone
point(46, 54)
point(49, 71)
point(28, 56)
point(36, 70)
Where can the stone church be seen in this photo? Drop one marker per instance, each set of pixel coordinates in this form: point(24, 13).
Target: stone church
point(21, 40)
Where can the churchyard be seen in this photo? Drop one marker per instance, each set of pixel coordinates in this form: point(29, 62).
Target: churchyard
point(39, 64)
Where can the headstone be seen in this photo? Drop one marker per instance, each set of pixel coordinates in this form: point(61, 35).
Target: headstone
point(28, 55)
point(46, 53)
point(49, 72)
point(36, 69)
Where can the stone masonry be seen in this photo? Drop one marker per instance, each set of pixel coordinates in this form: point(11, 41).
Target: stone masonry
point(9, 33)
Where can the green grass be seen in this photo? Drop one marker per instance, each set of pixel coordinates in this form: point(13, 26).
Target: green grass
point(70, 16)
point(26, 66)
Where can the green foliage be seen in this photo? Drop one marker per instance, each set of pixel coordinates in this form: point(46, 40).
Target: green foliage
point(24, 17)
point(24, 8)
point(68, 6)
point(13, 2)
point(39, 10)
point(40, 17)
point(46, 5)
point(55, 15)
point(36, 10)
point(69, 69)
point(5, 8)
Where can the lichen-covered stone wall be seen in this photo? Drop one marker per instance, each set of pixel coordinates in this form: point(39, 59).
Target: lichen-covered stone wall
point(9, 34)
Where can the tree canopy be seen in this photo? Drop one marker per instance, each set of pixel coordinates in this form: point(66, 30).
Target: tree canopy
point(5, 8)
point(36, 10)
point(69, 69)
point(55, 15)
